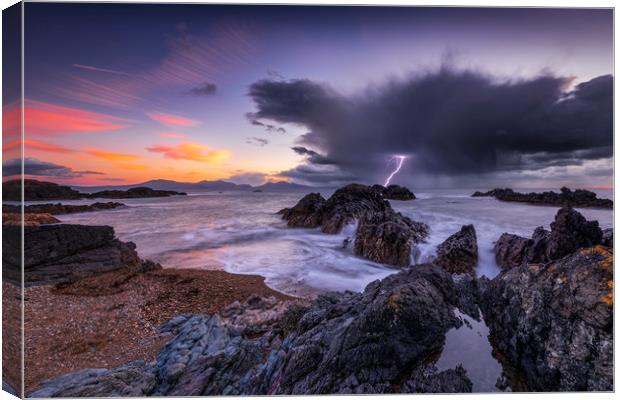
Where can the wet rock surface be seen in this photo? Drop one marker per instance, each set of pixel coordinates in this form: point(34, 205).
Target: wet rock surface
point(378, 341)
point(459, 253)
point(566, 197)
point(343, 207)
point(555, 320)
point(387, 237)
point(58, 208)
point(394, 192)
point(15, 219)
point(569, 232)
point(63, 252)
point(608, 237)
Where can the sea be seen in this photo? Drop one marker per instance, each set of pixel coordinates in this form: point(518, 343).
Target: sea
point(240, 232)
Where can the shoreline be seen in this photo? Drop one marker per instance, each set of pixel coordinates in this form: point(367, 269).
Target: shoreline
point(107, 320)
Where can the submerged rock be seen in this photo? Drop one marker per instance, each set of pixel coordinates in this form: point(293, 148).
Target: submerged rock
point(566, 197)
point(555, 320)
point(63, 252)
point(569, 232)
point(378, 341)
point(459, 253)
point(387, 237)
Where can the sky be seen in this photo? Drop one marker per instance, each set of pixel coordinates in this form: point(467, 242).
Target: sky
point(472, 97)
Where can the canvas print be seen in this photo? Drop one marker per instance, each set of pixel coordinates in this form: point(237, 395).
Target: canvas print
point(204, 200)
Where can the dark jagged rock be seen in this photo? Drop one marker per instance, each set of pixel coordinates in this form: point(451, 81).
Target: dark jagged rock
point(62, 252)
point(378, 341)
point(569, 232)
point(343, 207)
point(131, 380)
point(459, 253)
point(387, 237)
point(139, 192)
point(394, 192)
point(566, 197)
point(58, 208)
point(608, 237)
point(37, 190)
point(467, 294)
point(349, 203)
point(307, 213)
point(555, 320)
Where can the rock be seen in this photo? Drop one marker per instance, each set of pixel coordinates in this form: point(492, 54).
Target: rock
point(343, 207)
point(468, 295)
point(7, 387)
point(63, 252)
point(555, 320)
point(569, 232)
point(378, 341)
point(126, 381)
point(511, 250)
point(37, 190)
point(60, 208)
point(459, 253)
point(608, 237)
point(307, 213)
point(387, 237)
point(429, 380)
point(15, 219)
point(133, 193)
point(394, 192)
point(566, 197)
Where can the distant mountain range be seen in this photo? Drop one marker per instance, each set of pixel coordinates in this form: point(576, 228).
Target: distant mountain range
point(219, 185)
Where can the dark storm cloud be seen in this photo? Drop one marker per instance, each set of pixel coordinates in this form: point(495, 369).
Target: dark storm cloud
point(256, 141)
point(450, 123)
point(33, 166)
point(207, 89)
point(254, 120)
point(312, 156)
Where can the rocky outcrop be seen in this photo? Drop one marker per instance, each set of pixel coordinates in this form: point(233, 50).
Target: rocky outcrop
point(37, 190)
point(62, 252)
point(58, 208)
point(459, 253)
point(555, 320)
point(378, 341)
point(307, 213)
point(608, 237)
point(387, 237)
point(394, 192)
point(15, 219)
point(343, 207)
point(566, 197)
point(569, 232)
point(133, 193)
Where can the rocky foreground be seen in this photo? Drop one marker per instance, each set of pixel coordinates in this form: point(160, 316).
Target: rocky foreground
point(549, 312)
point(57, 209)
point(566, 197)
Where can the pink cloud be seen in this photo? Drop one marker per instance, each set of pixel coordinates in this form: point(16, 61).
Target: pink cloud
point(168, 119)
point(172, 135)
point(192, 152)
point(42, 119)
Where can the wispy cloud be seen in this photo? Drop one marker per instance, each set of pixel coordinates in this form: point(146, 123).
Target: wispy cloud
point(172, 135)
point(174, 120)
point(99, 69)
point(256, 141)
point(111, 156)
point(49, 119)
point(192, 152)
point(206, 89)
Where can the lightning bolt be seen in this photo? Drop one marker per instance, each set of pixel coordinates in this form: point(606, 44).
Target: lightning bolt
point(399, 164)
